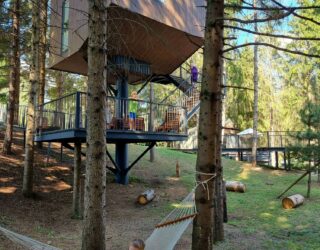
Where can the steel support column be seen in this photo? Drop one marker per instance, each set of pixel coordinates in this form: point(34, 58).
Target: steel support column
point(122, 148)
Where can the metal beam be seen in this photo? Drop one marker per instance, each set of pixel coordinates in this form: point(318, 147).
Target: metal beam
point(138, 159)
point(113, 162)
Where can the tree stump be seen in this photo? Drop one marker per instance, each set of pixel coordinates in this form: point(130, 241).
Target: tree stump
point(146, 197)
point(235, 186)
point(177, 169)
point(292, 201)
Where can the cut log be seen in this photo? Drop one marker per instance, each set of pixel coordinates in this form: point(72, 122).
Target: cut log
point(292, 201)
point(235, 186)
point(146, 197)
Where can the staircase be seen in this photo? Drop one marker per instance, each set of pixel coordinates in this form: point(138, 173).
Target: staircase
point(191, 97)
point(191, 100)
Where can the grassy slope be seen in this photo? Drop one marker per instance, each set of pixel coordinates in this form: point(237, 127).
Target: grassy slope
point(256, 215)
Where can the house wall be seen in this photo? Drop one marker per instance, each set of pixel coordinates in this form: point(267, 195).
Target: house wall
point(182, 16)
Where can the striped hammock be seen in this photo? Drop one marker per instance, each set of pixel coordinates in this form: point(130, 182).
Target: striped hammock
point(25, 241)
point(168, 232)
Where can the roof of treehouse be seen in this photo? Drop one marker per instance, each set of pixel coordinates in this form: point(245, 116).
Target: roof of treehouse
point(158, 35)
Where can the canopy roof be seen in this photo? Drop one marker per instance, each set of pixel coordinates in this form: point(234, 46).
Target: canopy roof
point(248, 133)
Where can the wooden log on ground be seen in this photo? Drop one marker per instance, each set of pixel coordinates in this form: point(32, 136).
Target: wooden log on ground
point(235, 186)
point(292, 201)
point(146, 197)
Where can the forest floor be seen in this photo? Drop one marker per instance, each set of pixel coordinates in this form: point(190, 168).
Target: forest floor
point(256, 218)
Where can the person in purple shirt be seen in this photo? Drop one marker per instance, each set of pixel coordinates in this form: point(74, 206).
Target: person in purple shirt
point(194, 74)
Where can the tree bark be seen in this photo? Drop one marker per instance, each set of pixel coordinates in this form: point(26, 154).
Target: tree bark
point(93, 236)
point(309, 169)
point(256, 95)
point(42, 50)
point(27, 188)
point(14, 83)
point(151, 120)
point(208, 225)
point(76, 210)
point(59, 81)
point(42, 58)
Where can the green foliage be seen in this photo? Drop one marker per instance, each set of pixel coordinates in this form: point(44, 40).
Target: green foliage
point(307, 147)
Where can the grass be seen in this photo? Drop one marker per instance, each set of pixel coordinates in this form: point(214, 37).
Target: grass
point(256, 216)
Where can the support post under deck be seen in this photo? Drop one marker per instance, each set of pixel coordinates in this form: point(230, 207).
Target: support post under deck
point(122, 162)
point(122, 148)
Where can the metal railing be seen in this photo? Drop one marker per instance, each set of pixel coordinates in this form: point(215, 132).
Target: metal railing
point(69, 112)
point(268, 139)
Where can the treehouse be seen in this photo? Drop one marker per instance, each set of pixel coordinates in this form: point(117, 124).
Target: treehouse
point(146, 41)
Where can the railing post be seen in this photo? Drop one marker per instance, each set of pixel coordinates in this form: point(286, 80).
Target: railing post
point(77, 118)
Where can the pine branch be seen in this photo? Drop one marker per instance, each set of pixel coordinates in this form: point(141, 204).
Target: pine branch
point(236, 87)
point(270, 18)
point(273, 35)
point(234, 6)
point(297, 15)
point(271, 46)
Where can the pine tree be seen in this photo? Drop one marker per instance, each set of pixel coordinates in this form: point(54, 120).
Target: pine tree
point(93, 236)
point(307, 147)
point(14, 83)
point(208, 225)
point(27, 187)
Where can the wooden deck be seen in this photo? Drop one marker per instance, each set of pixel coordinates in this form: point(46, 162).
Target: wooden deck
point(113, 136)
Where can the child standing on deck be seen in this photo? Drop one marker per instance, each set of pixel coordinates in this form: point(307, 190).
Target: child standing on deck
point(133, 108)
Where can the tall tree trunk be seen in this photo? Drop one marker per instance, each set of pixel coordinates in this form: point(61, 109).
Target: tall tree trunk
point(309, 167)
point(76, 203)
point(42, 49)
point(256, 95)
point(27, 188)
point(151, 120)
point(208, 225)
point(93, 236)
point(42, 60)
point(59, 81)
point(14, 83)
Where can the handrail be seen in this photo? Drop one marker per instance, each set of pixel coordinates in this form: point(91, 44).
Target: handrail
point(60, 98)
point(111, 97)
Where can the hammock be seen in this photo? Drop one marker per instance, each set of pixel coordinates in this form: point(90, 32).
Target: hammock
point(26, 242)
point(168, 232)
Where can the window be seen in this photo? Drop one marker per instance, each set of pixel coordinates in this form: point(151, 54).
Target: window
point(65, 27)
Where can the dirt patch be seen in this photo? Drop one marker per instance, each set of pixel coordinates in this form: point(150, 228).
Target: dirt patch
point(48, 217)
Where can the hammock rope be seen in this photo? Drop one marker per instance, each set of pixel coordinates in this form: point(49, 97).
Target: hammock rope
point(25, 241)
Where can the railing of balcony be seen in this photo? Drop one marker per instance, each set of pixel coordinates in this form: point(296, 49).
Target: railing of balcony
point(268, 139)
point(69, 112)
